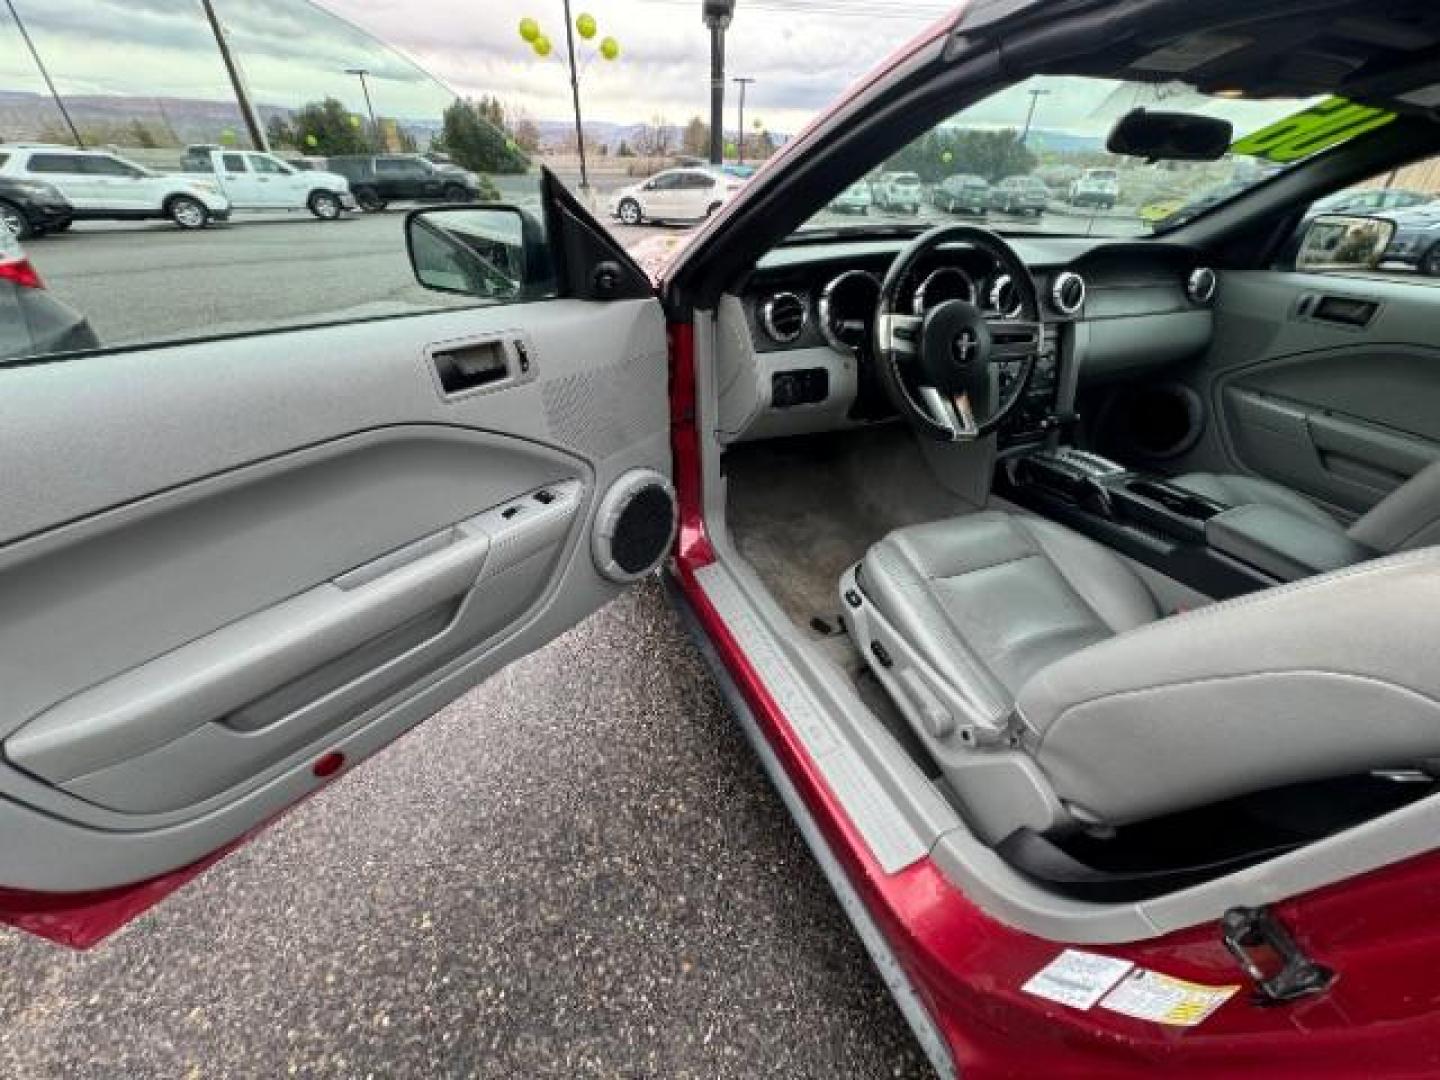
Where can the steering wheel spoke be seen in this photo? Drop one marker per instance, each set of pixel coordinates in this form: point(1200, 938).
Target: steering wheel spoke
point(1013, 339)
point(954, 413)
point(899, 333)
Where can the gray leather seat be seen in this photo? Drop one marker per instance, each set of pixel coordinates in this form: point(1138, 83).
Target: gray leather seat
point(1408, 517)
point(1036, 668)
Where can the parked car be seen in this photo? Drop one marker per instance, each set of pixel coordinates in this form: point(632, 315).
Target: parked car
point(105, 186)
point(1417, 238)
point(1371, 200)
point(963, 194)
point(380, 179)
point(1020, 195)
point(1199, 204)
point(256, 181)
point(1099, 188)
point(856, 199)
point(32, 207)
point(686, 194)
point(898, 192)
point(32, 321)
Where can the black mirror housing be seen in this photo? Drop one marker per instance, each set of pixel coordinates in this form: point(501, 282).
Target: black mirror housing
point(1170, 136)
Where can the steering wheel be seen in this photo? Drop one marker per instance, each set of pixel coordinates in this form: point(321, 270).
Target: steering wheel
point(940, 369)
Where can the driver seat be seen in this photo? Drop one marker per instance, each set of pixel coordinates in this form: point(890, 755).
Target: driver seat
point(1037, 669)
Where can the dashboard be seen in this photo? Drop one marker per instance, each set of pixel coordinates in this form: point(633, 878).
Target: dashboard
point(804, 323)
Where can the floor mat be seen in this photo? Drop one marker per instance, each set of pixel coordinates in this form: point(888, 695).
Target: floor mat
point(803, 510)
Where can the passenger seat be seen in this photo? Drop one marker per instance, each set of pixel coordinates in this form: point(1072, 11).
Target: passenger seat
point(1407, 518)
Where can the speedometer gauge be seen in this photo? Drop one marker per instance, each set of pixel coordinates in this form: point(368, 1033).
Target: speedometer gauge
point(947, 283)
point(847, 309)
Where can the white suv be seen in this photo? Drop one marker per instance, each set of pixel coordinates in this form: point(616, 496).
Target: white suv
point(101, 185)
point(899, 191)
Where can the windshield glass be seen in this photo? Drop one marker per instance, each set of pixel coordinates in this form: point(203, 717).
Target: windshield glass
point(1040, 148)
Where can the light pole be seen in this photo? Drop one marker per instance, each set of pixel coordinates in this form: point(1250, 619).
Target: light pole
point(740, 149)
point(716, 15)
point(575, 93)
point(237, 80)
point(1036, 93)
point(44, 74)
point(361, 73)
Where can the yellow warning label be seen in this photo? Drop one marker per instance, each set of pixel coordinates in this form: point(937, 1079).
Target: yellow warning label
point(1148, 995)
point(1331, 122)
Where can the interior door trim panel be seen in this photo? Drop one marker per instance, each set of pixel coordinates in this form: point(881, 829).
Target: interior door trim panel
point(221, 561)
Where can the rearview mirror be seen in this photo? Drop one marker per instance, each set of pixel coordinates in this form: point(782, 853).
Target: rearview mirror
point(1345, 242)
point(491, 252)
point(1170, 136)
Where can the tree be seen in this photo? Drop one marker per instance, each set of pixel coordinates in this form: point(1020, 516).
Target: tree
point(948, 151)
point(527, 135)
point(325, 128)
point(654, 138)
point(280, 134)
point(696, 137)
point(478, 144)
point(140, 135)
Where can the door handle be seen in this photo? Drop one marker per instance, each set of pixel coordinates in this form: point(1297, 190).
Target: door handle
point(205, 680)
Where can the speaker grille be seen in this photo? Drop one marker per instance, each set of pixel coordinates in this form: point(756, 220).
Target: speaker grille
point(643, 531)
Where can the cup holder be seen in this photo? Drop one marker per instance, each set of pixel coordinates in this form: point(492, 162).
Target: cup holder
point(1176, 500)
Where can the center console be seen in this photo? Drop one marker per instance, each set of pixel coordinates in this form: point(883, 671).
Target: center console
point(1217, 550)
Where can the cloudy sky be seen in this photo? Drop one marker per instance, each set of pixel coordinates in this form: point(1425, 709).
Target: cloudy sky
point(802, 52)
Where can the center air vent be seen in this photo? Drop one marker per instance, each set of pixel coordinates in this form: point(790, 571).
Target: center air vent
point(1201, 285)
point(1068, 293)
point(783, 316)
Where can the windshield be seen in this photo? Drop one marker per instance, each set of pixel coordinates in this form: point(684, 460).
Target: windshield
point(1040, 146)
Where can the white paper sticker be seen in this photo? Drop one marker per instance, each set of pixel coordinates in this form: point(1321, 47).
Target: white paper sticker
point(1148, 995)
point(1077, 979)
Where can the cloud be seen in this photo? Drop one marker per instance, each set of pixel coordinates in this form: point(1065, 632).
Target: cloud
point(293, 51)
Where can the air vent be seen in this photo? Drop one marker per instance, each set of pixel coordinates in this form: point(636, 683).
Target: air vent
point(1068, 293)
point(1202, 285)
point(1004, 298)
point(783, 316)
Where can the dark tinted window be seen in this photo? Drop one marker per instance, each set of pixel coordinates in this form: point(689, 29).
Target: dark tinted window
point(108, 166)
point(235, 163)
point(57, 163)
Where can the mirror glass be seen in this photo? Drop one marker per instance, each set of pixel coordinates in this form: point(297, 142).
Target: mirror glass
point(1345, 242)
point(493, 253)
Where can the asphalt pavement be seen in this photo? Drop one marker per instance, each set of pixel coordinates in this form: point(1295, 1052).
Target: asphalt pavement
point(578, 870)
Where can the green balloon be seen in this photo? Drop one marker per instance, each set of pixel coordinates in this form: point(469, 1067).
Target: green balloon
point(529, 30)
point(541, 46)
point(948, 156)
point(586, 25)
point(609, 48)
point(311, 140)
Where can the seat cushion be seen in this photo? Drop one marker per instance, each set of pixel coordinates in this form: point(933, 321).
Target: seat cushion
point(1233, 490)
point(990, 599)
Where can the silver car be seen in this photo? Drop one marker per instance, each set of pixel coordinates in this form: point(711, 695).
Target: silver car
point(32, 322)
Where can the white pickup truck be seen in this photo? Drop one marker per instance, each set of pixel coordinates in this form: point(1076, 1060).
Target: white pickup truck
point(255, 181)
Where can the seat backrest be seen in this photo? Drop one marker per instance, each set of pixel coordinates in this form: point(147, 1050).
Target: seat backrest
point(1407, 518)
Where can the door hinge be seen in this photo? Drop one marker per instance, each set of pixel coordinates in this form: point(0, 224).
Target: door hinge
point(1244, 930)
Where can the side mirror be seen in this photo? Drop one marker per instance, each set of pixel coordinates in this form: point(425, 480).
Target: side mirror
point(1345, 242)
point(1169, 136)
point(491, 252)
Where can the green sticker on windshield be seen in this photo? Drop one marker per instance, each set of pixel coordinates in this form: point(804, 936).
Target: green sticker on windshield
point(1317, 128)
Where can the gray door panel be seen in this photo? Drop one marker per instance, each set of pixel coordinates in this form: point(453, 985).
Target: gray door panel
point(220, 560)
point(1345, 414)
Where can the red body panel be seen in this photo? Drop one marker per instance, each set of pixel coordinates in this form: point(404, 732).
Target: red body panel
point(1379, 932)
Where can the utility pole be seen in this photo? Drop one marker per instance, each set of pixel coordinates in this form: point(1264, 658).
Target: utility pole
point(45, 74)
point(237, 80)
point(717, 15)
point(740, 146)
point(360, 73)
point(1035, 95)
point(575, 93)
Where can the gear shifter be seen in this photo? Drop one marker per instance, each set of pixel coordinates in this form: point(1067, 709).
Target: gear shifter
point(1080, 476)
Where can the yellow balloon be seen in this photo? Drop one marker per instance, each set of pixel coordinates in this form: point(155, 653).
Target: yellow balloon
point(609, 48)
point(542, 46)
point(354, 120)
point(529, 30)
point(586, 25)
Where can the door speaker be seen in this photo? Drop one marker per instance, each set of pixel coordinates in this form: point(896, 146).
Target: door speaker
point(634, 526)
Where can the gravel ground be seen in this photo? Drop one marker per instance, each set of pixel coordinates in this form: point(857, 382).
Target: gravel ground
point(578, 870)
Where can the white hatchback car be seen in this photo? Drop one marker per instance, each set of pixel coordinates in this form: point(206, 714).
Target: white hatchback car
point(688, 194)
point(105, 186)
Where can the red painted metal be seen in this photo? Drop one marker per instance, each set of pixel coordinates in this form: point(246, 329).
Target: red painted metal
point(1378, 931)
